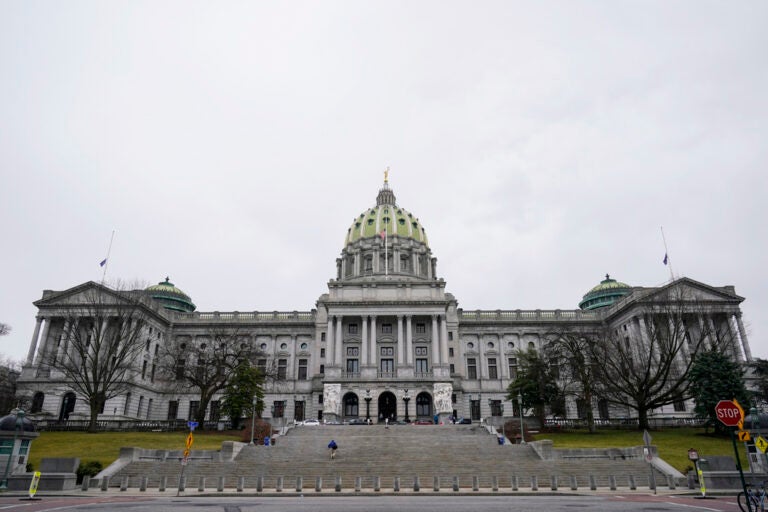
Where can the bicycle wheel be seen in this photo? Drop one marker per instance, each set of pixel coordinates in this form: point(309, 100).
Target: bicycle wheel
point(740, 499)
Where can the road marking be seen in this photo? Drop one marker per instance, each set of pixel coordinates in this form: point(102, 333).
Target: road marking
point(692, 506)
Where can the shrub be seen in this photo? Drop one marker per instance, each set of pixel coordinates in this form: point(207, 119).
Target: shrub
point(262, 430)
point(90, 468)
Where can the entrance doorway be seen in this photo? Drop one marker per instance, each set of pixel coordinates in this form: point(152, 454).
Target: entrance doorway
point(351, 406)
point(387, 406)
point(424, 406)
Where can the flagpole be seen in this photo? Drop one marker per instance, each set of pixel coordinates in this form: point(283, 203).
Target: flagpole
point(667, 259)
point(106, 260)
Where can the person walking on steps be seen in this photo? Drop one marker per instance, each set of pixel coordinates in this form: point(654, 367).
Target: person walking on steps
point(333, 447)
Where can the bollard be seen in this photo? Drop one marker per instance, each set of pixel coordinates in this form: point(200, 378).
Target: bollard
point(632, 485)
point(475, 483)
point(416, 484)
point(592, 483)
point(337, 487)
point(376, 484)
point(124, 483)
point(163, 482)
point(259, 484)
point(182, 483)
point(456, 483)
point(553, 482)
point(514, 483)
point(534, 483)
point(318, 484)
point(220, 485)
point(612, 482)
point(86, 483)
point(201, 484)
point(104, 483)
point(240, 483)
point(495, 483)
point(144, 483)
point(574, 483)
point(436, 483)
point(671, 482)
point(396, 484)
point(358, 483)
point(299, 483)
point(279, 484)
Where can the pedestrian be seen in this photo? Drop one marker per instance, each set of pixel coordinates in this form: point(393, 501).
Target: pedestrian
point(386, 423)
point(333, 447)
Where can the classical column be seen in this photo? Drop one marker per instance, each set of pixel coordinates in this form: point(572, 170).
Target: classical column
point(292, 359)
point(374, 354)
point(734, 339)
point(33, 344)
point(743, 336)
point(444, 339)
point(400, 341)
point(44, 342)
point(364, 344)
point(329, 337)
point(339, 328)
point(356, 270)
point(409, 339)
point(435, 343)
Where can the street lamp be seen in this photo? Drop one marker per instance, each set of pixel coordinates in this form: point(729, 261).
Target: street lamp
point(19, 426)
point(253, 419)
point(406, 399)
point(368, 399)
point(520, 405)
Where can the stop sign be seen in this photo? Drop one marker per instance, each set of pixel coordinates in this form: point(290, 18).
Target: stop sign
point(728, 413)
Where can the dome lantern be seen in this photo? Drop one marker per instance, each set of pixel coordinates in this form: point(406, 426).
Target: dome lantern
point(171, 297)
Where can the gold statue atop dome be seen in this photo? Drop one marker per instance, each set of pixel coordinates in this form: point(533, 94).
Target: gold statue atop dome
point(386, 176)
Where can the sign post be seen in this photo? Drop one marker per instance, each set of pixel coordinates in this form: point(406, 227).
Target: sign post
point(187, 447)
point(730, 414)
point(649, 458)
point(693, 456)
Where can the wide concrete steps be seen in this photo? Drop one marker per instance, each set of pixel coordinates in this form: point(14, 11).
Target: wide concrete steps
point(404, 451)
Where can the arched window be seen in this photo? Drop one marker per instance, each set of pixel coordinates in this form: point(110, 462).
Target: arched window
point(127, 407)
point(351, 407)
point(424, 405)
point(37, 402)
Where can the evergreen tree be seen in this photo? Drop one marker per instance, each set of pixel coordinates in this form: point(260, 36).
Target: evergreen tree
point(714, 377)
point(536, 381)
point(244, 386)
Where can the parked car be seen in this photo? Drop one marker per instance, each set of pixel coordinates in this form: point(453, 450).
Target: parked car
point(423, 422)
point(358, 421)
point(464, 421)
point(311, 423)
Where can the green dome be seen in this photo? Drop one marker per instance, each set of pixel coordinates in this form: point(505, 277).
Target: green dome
point(386, 216)
point(604, 294)
point(171, 297)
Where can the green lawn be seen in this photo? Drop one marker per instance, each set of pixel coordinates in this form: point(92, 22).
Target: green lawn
point(673, 444)
point(105, 446)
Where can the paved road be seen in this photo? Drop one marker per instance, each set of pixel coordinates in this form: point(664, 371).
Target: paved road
point(423, 503)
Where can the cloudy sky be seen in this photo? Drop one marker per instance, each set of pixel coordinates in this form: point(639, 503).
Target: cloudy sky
point(231, 144)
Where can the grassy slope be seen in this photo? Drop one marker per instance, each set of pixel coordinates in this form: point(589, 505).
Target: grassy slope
point(673, 444)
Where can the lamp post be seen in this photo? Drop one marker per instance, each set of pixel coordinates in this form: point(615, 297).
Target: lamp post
point(19, 426)
point(520, 405)
point(253, 419)
point(503, 423)
point(368, 399)
point(406, 399)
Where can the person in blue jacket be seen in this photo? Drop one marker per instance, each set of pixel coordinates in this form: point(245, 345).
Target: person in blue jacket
point(333, 447)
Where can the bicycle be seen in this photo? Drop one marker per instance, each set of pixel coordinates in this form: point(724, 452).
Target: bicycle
point(756, 499)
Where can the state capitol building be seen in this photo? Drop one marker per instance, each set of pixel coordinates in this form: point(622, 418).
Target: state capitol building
point(386, 340)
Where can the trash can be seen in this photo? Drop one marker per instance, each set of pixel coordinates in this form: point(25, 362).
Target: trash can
point(266, 441)
point(501, 439)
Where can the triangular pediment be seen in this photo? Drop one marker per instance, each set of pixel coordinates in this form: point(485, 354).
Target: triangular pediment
point(691, 290)
point(82, 294)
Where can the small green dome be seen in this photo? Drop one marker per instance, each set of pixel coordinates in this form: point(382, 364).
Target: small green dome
point(171, 297)
point(604, 294)
point(386, 216)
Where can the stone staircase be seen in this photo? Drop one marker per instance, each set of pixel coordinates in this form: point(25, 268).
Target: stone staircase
point(405, 451)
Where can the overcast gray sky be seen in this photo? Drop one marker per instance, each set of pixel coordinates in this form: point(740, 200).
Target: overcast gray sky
point(231, 145)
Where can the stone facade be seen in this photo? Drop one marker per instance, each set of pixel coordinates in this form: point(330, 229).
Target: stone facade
point(386, 341)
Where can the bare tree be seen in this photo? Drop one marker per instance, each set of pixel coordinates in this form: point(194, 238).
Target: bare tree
point(9, 373)
point(206, 364)
point(100, 345)
point(647, 365)
point(578, 376)
point(5, 329)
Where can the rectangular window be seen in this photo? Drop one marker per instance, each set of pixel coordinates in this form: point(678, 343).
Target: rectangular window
point(452, 368)
point(387, 351)
point(474, 409)
point(143, 370)
point(302, 369)
point(512, 361)
point(279, 409)
point(421, 328)
point(322, 369)
point(387, 365)
point(180, 369)
point(386, 328)
point(322, 336)
point(353, 366)
point(422, 365)
point(173, 409)
point(215, 413)
point(261, 364)
point(554, 368)
point(322, 352)
point(450, 351)
point(353, 351)
point(450, 335)
point(152, 373)
point(282, 369)
point(492, 374)
point(421, 351)
point(679, 406)
point(320, 398)
point(352, 329)
point(495, 407)
point(6, 446)
point(471, 368)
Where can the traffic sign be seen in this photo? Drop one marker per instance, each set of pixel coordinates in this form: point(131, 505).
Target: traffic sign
point(729, 413)
point(192, 425)
point(190, 440)
point(761, 444)
point(743, 435)
point(693, 454)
